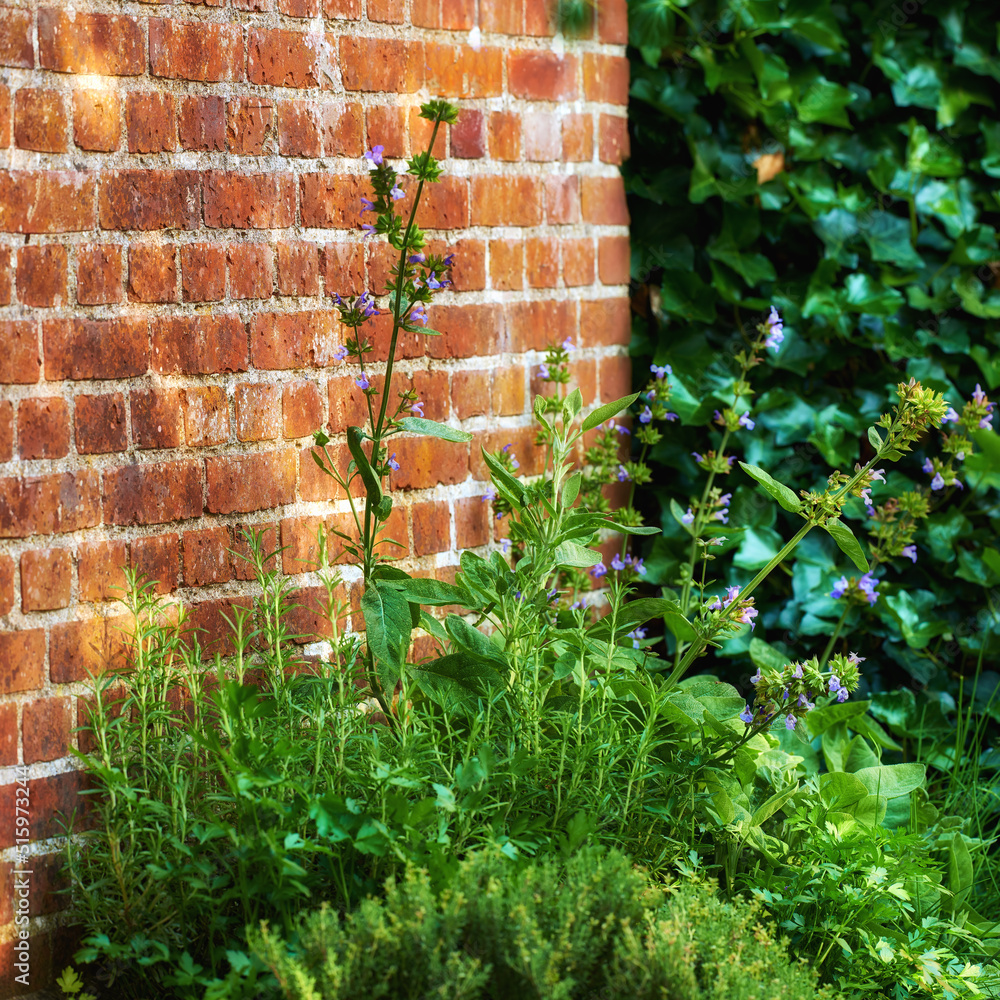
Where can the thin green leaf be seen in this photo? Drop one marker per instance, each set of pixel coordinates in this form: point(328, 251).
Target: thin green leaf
point(431, 428)
point(607, 411)
point(779, 491)
point(849, 545)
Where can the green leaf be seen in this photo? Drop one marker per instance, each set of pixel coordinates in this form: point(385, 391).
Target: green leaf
point(779, 491)
point(576, 556)
point(504, 482)
point(849, 545)
point(866, 295)
point(764, 655)
point(825, 101)
point(571, 489)
point(767, 809)
point(472, 640)
point(636, 612)
point(888, 239)
point(841, 790)
point(607, 411)
point(434, 593)
point(372, 486)
point(431, 428)
point(631, 529)
point(931, 154)
point(961, 875)
point(388, 625)
point(892, 780)
point(433, 627)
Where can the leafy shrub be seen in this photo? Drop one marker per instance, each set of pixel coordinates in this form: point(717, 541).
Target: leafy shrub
point(587, 929)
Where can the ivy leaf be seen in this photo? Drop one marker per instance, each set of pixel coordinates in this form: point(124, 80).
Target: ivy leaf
point(866, 295)
point(931, 155)
point(825, 101)
point(888, 239)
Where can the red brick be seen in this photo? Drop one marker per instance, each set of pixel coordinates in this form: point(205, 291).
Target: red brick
point(22, 660)
point(539, 74)
point(268, 533)
point(298, 268)
point(153, 493)
point(99, 275)
point(386, 64)
point(542, 141)
point(462, 72)
point(426, 13)
point(15, 38)
point(314, 484)
point(251, 271)
point(46, 726)
point(578, 262)
point(343, 268)
point(101, 570)
point(50, 201)
point(341, 129)
point(468, 135)
point(505, 135)
point(6, 437)
point(48, 880)
point(79, 650)
point(203, 272)
point(508, 391)
point(157, 558)
point(248, 201)
point(562, 199)
point(77, 42)
point(538, 18)
point(458, 15)
point(348, 407)
point(506, 201)
point(40, 120)
point(6, 259)
point(605, 322)
point(206, 415)
point(52, 800)
point(381, 260)
point(612, 21)
point(421, 130)
point(196, 51)
point(208, 619)
point(150, 122)
point(46, 505)
point(46, 579)
point(20, 361)
point(431, 528)
point(152, 273)
point(332, 201)
point(614, 260)
point(467, 331)
point(387, 11)
point(426, 462)
point(432, 389)
point(300, 8)
point(293, 340)
point(202, 124)
point(603, 201)
point(468, 273)
point(532, 326)
point(43, 427)
point(302, 406)
point(614, 142)
point(507, 265)
point(505, 17)
point(250, 126)
point(444, 205)
point(298, 129)
point(605, 78)
point(258, 412)
point(157, 420)
point(615, 378)
point(250, 482)
point(41, 276)
point(578, 138)
point(279, 58)
point(386, 126)
point(472, 523)
point(206, 557)
point(8, 756)
point(300, 540)
point(199, 345)
point(149, 199)
point(542, 261)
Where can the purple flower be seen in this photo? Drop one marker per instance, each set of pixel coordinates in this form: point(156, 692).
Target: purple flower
point(646, 416)
point(397, 193)
point(490, 494)
point(951, 416)
point(418, 314)
point(553, 594)
point(340, 353)
point(775, 329)
point(671, 416)
point(362, 381)
point(805, 703)
point(432, 282)
point(637, 566)
point(418, 408)
point(839, 589)
point(937, 483)
point(543, 371)
point(878, 475)
point(746, 617)
point(698, 458)
point(746, 715)
point(616, 564)
point(746, 422)
point(843, 695)
point(910, 551)
point(369, 230)
point(568, 345)
point(449, 261)
point(660, 371)
point(867, 585)
point(375, 155)
point(797, 672)
point(756, 679)
point(928, 466)
point(577, 606)
point(986, 424)
point(834, 683)
point(636, 635)
point(979, 397)
point(369, 206)
point(504, 545)
point(599, 570)
point(719, 418)
point(623, 430)
point(789, 721)
point(392, 463)
point(688, 518)
point(722, 515)
point(623, 476)
point(416, 258)
point(854, 659)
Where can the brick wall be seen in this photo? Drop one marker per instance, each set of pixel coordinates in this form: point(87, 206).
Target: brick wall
point(178, 201)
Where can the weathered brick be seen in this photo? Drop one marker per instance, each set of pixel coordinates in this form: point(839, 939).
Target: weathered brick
point(615, 381)
point(542, 141)
point(343, 268)
point(538, 18)
point(248, 201)
point(300, 8)
point(431, 527)
point(298, 129)
point(49, 201)
point(614, 260)
point(605, 78)
point(41, 275)
point(99, 275)
point(542, 262)
point(157, 420)
point(201, 124)
point(314, 484)
point(47, 505)
point(386, 126)
point(614, 142)
point(603, 201)
point(502, 16)
point(206, 415)
point(152, 272)
point(532, 326)
point(543, 75)
point(251, 271)
point(458, 15)
point(6, 437)
point(348, 406)
point(341, 128)
point(468, 272)
point(8, 757)
point(22, 660)
point(468, 135)
point(20, 360)
point(100, 424)
point(386, 64)
point(467, 331)
point(387, 11)
point(157, 558)
point(15, 38)
point(43, 427)
point(279, 58)
point(444, 205)
point(250, 482)
point(78, 42)
point(612, 21)
point(300, 541)
point(562, 199)
point(342, 8)
point(203, 272)
point(195, 51)
point(80, 649)
point(153, 493)
point(199, 345)
point(505, 135)
point(462, 72)
point(578, 138)
point(40, 120)
point(250, 126)
point(293, 340)
point(151, 122)
point(95, 348)
point(149, 199)
point(302, 408)
point(420, 132)
point(506, 201)
point(605, 321)
point(298, 268)
point(46, 579)
point(472, 523)
point(578, 262)
point(6, 259)
point(507, 265)
point(209, 620)
point(206, 557)
point(101, 570)
point(258, 412)
point(96, 120)
point(332, 201)
point(426, 462)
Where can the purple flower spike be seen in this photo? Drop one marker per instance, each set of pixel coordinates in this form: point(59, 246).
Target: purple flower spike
point(951, 416)
point(797, 672)
point(834, 683)
point(746, 715)
point(616, 564)
point(775, 330)
point(392, 463)
point(789, 721)
point(937, 483)
point(599, 570)
point(910, 551)
point(646, 416)
point(623, 476)
point(375, 155)
point(839, 589)
point(416, 258)
point(756, 677)
point(661, 371)
point(842, 695)
point(867, 585)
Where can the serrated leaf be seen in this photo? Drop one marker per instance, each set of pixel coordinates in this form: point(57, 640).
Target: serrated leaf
point(607, 411)
point(779, 491)
point(848, 544)
point(431, 428)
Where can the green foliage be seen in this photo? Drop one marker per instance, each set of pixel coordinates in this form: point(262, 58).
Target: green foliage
point(588, 927)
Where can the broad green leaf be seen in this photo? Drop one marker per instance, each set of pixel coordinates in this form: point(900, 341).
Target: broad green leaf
point(571, 489)
point(888, 239)
point(431, 428)
point(961, 876)
point(471, 639)
point(434, 593)
point(433, 627)
point(824, 101)
point(866, 295)
point(765, 811)
point(931, 154)
point(764, 655)
point(779, 491)
point(388, 625)
point(849, 545)
point(841, 790)
point(373, 488)
point(607, 411)
point(892, 780)
point(576, 556)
